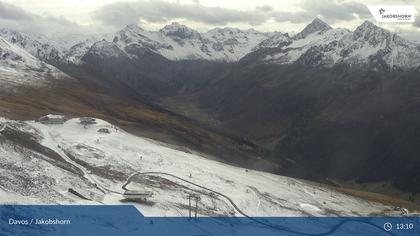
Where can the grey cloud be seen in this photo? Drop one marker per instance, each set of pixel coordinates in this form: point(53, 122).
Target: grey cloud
point(336, 10)
point(58, 20)
point(294, 17)
point(11, 12)
point(15, 18)
point(410, 34)
point(264, 8)
point(123, 13)
point(119, 14)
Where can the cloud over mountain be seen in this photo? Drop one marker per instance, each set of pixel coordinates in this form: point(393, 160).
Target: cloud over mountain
point(17, 18)
point(122, 13)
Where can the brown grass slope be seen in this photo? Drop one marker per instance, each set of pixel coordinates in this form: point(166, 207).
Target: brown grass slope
point(74, 99)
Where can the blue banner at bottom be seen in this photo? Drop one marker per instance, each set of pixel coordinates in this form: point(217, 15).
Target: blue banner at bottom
point(127, 220)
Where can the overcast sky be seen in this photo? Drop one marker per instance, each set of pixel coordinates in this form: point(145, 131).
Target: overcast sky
point(91, 16)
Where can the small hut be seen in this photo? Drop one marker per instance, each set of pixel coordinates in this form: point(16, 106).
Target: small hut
point(52, 119)
point(104, 131)
point(87, 120)
point(138, 197)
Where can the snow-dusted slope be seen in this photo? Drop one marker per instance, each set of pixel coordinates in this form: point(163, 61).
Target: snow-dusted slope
point(18, 67)
point(368, 45)
point(76, 52)
point(102, 161)
point(75, 48)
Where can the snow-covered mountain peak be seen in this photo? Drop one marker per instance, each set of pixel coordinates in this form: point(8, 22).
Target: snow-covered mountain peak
point(130, 34)
point(133, 28)
point(368, 46)
point(35, 45)
point(367, 25)
point(176, 30)
point(317, 25)
point(130, 31)
point(231, 31)
point(368, 30)
point(377, 37)
point(18, 67)
point(14, 55)
point(179, 42)
point(277, 40)
point(105, 48)
point(174, 26)
point(231, 36)
point(174, 41)
point(100, 44)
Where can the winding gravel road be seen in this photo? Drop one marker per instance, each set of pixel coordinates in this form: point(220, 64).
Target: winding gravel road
point(276, 227)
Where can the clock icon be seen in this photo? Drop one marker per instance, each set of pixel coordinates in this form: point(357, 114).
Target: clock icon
point(387, 226)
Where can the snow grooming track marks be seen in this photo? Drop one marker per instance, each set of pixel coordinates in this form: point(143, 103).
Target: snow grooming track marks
point(276, 227)
point(85, 172)
point(80, 167)
point(200, 186)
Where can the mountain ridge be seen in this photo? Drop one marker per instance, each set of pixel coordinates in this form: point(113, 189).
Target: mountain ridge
point(318, 44)
point(328, 46)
